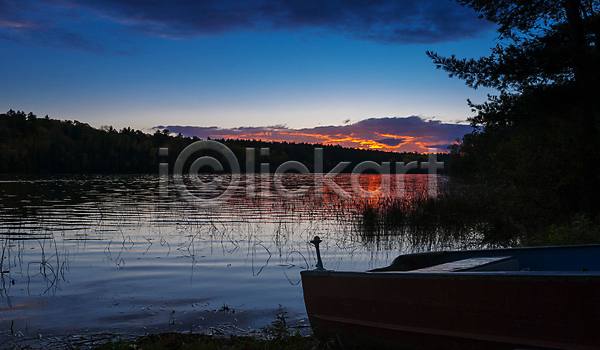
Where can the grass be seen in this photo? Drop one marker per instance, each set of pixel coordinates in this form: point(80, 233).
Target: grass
point(186, 341)
point(458, 218)
point(474, 216)
point(580, 229)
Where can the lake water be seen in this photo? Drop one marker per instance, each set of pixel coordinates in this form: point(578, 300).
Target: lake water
point(129, 254)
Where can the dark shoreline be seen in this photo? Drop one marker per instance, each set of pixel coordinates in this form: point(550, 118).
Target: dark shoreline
point(277, 334)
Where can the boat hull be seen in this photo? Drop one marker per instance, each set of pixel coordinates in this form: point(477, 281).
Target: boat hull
point(458, 310)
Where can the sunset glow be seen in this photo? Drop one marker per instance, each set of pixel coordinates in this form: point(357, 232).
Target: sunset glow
point(412, 134)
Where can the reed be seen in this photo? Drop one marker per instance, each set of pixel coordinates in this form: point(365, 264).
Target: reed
point(455, 218)
point(471, 216)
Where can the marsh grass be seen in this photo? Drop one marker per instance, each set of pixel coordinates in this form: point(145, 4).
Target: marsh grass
point(471, 216)
point(460, 218)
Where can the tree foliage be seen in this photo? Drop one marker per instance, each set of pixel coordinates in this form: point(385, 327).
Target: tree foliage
point(544, 42)
point(538, 138)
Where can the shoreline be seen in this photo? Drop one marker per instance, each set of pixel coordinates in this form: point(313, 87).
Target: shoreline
point(225, 334)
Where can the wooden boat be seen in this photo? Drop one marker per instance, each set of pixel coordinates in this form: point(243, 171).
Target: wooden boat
point(516, 298)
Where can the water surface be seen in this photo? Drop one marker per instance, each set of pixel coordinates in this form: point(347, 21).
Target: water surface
point(120, 254)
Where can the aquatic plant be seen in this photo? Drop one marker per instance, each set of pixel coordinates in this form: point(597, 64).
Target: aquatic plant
point(466, 217)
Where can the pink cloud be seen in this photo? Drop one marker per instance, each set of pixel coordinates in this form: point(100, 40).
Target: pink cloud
point(409, 134)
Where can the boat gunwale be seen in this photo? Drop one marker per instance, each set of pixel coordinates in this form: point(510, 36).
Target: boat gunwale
point(584, 275)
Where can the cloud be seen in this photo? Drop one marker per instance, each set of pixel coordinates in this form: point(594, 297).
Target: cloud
point(59, 24)
point(392, 142)
point(384, 21)
point(408, 134)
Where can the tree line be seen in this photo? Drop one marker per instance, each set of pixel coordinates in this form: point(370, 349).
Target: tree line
point(29, 144)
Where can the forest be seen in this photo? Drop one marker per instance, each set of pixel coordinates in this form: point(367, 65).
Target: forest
point(29, 144)
point(535, 145)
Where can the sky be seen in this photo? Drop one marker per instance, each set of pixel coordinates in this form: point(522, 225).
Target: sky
point(350, 72)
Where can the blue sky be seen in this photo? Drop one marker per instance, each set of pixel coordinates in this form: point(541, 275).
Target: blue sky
point(231, 64)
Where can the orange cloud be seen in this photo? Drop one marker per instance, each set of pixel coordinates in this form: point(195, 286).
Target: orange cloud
point(410, 134)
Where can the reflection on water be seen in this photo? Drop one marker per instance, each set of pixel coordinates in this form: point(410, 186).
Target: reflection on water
point(115, 253)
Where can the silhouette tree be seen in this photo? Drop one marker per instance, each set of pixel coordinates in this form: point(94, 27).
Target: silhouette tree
point(539, 137)
point(547, 44)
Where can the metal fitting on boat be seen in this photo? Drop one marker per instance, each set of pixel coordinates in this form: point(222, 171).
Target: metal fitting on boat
point(316, 242)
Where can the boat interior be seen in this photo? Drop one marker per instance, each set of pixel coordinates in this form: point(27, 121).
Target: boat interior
point(580, 259)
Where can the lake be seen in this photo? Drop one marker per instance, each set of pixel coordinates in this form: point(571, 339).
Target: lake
point(129, 254)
